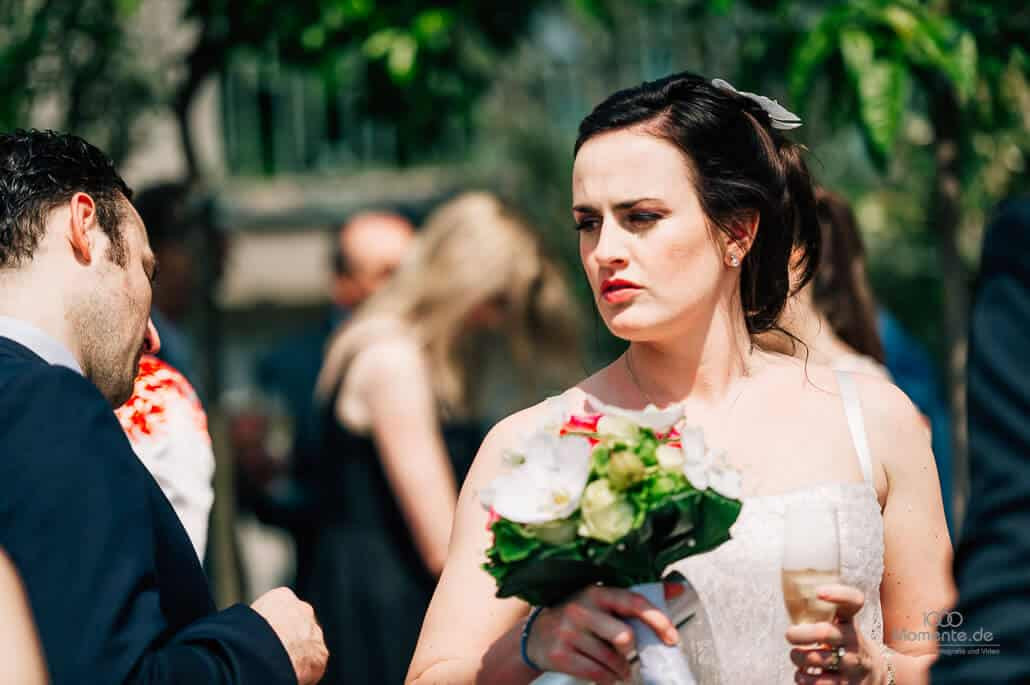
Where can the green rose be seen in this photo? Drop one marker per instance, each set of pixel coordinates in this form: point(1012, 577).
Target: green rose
point(607, 515)
point(554, 532)
point(625, 469)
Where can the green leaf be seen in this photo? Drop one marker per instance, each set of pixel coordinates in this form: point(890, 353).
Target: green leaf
point(401, 60)
point(936, 43)
point(313, 38)
point(964, 72)
point(717, 514)
point(432, 28)
point(511, 542)
point(600, 458)
point(378, 44)
point(882, 88)
point(811, 55)
point(546, 582)
point(645, 449)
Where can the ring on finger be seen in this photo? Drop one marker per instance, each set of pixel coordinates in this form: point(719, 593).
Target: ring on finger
point(835, 658)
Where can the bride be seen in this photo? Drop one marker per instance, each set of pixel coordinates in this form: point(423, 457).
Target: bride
point(688, 199)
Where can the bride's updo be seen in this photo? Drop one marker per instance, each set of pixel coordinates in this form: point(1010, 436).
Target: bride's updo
point(740, 166)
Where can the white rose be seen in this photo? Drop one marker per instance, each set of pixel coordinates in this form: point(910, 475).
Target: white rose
point(617, 427)
point(669, 458)
point(706, 468)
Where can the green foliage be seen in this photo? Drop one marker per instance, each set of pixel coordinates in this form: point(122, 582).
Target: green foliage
point(879, 48)
point(82, 53)
point(409, 62)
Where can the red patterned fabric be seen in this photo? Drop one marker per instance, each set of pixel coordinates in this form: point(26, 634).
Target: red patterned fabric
point(157, 385)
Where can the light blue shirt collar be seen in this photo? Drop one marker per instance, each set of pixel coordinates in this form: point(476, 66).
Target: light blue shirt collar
point(39, 342)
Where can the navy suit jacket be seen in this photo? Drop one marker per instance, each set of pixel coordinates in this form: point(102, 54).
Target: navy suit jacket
point(992, 564)
point(115, 587)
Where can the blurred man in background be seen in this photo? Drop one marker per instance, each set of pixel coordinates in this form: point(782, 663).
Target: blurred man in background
point(368, 247)
point(992, 565)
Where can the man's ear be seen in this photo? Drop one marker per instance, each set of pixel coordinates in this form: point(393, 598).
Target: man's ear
point(81, 228)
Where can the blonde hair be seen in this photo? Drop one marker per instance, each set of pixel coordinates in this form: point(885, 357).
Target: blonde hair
point(472, 250)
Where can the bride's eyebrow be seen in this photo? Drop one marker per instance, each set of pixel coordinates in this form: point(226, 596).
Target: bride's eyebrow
point(629, 204)
point(621, 206)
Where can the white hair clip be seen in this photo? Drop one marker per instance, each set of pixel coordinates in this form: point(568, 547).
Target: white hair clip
point(781, 117)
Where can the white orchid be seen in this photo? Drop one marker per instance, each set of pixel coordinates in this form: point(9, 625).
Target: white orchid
point(554, 415)
point(722, 477)
point(706, 468)
point(623, 422)
point(546, 480)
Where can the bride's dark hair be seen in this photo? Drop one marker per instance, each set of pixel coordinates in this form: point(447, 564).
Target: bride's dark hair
point(740, 166)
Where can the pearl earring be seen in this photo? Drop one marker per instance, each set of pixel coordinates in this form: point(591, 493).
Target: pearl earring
point(734, 260)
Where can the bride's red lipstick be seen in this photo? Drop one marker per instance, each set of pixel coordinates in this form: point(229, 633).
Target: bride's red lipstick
point(615, 290)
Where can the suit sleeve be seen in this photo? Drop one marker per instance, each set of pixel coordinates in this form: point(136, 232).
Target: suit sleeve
point(77, 520)
point(993, 556)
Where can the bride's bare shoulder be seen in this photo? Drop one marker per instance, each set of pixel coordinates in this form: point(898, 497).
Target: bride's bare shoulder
point(886, 409)
point(514, 428)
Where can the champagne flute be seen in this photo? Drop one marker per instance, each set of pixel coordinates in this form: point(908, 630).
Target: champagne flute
point(811, 558)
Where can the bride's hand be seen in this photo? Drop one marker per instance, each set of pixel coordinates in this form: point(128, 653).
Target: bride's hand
point(585, 638)
point(845, 656)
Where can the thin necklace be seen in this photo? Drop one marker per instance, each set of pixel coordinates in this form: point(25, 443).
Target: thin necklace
point(633, 376)
point(647, 398)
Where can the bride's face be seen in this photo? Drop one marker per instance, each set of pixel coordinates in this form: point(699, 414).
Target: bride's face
point(653, 261)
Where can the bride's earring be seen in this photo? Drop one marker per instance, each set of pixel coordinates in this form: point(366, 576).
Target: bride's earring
point(734, 261)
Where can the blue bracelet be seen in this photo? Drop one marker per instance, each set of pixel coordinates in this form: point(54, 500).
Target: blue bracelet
point(525, 638)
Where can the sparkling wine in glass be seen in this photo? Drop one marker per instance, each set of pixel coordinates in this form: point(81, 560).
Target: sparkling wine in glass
point(811, 558)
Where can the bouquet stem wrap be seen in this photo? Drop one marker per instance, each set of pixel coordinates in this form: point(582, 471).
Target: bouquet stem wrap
point(660, 663)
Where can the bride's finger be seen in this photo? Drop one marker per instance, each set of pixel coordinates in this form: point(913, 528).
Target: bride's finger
point(811, 633)
point(581, 666)
point(602, 653)
point(821, 679)
point(824, 659)
point(849, 600)
point(606, 627)
point(632, 605)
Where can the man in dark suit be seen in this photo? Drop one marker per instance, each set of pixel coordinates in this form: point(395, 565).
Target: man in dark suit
point(113, 582)
point(992, 566)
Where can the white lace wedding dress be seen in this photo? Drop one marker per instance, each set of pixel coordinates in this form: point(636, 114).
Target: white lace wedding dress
point(738, 638)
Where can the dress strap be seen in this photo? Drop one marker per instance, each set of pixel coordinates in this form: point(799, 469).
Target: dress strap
point(856, 422)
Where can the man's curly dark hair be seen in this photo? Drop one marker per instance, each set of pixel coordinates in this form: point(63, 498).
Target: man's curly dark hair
point(40, 170)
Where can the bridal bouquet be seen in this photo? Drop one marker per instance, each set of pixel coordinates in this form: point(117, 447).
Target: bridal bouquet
point(611, 498)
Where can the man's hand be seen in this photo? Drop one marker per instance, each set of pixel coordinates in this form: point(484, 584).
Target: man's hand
point(294, 622)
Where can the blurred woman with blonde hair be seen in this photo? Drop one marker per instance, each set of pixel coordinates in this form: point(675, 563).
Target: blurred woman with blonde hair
point(399, 390)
